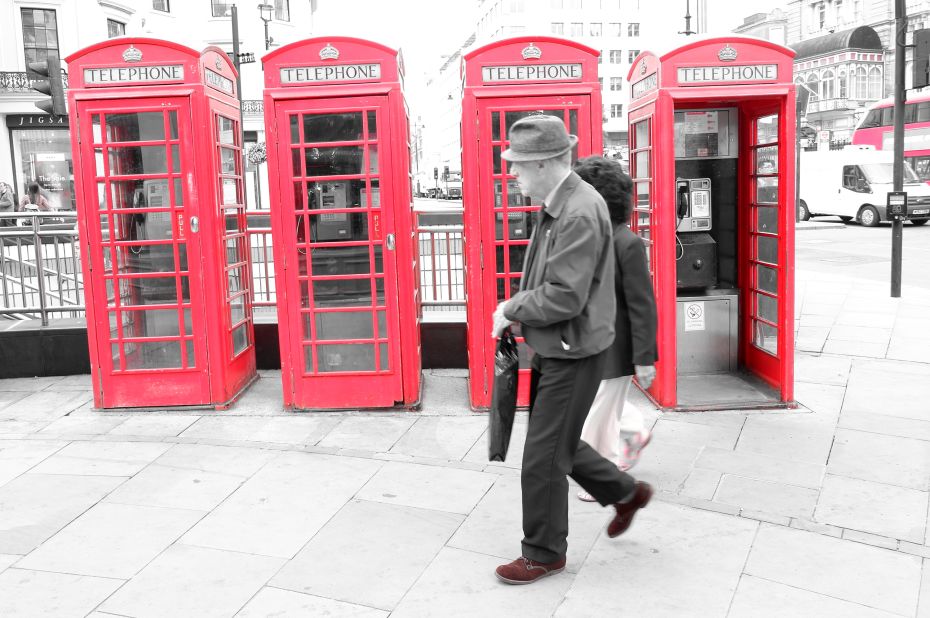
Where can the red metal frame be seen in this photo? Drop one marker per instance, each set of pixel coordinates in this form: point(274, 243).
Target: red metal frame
point(326, 282)
point(655, 95)
point(136, 226)
point(497, 217)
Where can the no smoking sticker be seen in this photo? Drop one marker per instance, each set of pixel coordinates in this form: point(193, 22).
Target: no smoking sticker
point(694, 315)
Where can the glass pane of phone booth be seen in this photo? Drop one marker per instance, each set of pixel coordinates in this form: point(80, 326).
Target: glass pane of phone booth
point(338, 223)
point(515, 215)
point(764, 235)
point(138, 170)
point(235, 241)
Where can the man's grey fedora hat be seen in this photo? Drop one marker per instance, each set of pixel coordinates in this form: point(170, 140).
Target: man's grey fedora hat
point(539, 137)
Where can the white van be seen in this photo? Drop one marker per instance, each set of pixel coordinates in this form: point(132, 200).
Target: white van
point(853, 183)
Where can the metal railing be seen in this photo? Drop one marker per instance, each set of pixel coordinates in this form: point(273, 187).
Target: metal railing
point(40, 266)
point(21, 81)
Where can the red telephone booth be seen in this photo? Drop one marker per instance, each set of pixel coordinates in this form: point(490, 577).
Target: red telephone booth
point(712, 143)
point(505, 81)
point(158, 175)
point(342, 218)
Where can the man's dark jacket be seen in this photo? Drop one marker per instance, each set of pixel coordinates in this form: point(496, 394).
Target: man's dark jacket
point(566, 301)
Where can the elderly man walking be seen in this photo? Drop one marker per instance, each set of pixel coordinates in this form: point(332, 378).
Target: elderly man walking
point(566, 310)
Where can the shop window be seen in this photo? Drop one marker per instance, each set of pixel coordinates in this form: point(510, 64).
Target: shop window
point(282, 10)
point(221, 7)
point(616, 83)
point(632, 29)
point(115, 28)
point(616, 56)
point(161, 5)
point(43, 156)
point(40, 35)
point(557, 28)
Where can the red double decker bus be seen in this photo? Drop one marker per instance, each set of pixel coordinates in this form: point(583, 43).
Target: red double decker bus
point(877, 129)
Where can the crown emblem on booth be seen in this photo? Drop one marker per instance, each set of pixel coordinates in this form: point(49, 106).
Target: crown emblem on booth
point(642, 68)
point(132, 54)
point(531, 52)
point(727, 54)
point(329, 53)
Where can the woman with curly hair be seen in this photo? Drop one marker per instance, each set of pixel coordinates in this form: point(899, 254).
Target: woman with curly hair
point(612, 419)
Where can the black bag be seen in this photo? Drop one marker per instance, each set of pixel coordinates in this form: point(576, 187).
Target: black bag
point(503, 397)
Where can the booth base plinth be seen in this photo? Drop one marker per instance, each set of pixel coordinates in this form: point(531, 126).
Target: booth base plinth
point(726, 391)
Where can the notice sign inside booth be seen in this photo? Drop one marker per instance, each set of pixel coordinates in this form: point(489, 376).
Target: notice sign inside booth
point(156, 73)
point(569, 72)
point(331, 73)
point(694, 315)
point(728, 74)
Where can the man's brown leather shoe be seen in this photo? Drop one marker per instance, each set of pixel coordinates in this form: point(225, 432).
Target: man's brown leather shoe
point(642, 493)
point(526, 571)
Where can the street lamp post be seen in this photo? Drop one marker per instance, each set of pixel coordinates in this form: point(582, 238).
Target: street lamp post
point(267, 13)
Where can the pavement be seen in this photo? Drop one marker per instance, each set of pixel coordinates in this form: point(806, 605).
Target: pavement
point(819, 511)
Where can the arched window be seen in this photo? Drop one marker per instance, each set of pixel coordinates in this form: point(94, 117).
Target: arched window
point(841, 85)
point(814, 84)
point(862, 84)
point(829, 84)
point(875, 83)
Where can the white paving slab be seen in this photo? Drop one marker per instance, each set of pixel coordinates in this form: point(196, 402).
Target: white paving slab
point(28, 384)
point(366, 433)
point(383, 545)
point(275, 602)
point(18, 456)
point(804, 437)
point(923, 609)
point(44, 405)
point(299, 492)
point(281, 429)
point(84, 424)
point(854, 572)
point(234, 460)
point(111, 540)
point(887, 425)
point(462, 584)
point(181, 488)
point(673, 561)
point(34, 593)
point(820, 398)
point(33, 507)
point(820, 369)
point(428, 487)
point(666, 465)
point(514, 459)
point(7, 560)
point(908, 398)
point(884, 459)
point(766, 496)
point(102, 458)
point(193, 581)
point(695, 434)
point(154, 425)
point(760, 598)
point(762, 467)
point(495, 526)
point(886, 510)
point(442, 437)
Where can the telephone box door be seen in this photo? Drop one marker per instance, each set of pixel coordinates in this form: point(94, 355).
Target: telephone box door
point(507, 217)
point(337, 225)
point(145, 252)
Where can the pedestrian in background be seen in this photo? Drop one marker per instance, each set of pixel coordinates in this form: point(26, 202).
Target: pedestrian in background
point(615, 426)
point(34, 200)
point(566, 309)
point(7, 204)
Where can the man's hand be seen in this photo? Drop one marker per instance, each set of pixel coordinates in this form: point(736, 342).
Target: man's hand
point(645, 374)
point(500, 322)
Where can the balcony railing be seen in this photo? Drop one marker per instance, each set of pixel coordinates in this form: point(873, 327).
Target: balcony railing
point(21, 81)
point(253, 107)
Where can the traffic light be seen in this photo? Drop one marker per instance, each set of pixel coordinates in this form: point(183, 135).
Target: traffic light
point(50, 69)
point(445, 172)
point(436, 173)
point(921, 64)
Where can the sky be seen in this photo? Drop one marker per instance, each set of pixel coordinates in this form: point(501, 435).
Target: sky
point(427, 29)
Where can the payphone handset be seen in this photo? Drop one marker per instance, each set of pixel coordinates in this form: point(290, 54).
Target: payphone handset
point(694, 204)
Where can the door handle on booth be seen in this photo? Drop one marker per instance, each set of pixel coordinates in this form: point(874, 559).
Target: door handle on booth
point(195, 224)
point(389, 242)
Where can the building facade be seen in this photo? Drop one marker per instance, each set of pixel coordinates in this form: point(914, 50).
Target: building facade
point(35, 147)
